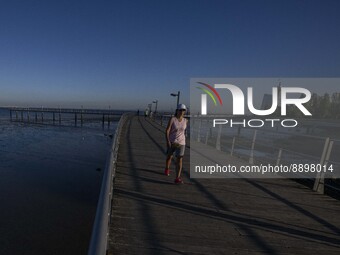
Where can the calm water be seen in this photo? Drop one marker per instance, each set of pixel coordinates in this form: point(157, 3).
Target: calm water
point(49, 186)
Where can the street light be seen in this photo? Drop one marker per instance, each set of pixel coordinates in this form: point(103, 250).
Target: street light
point(156, 102)
point(176, 95)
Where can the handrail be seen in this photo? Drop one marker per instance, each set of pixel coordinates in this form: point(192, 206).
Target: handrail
point(100, 230)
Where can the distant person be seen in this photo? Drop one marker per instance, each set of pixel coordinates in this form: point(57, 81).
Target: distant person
point(175, 140)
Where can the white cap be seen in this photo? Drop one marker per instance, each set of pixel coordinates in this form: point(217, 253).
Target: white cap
point(181, 107)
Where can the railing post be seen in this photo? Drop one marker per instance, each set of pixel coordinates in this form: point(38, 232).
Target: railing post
point(321, 186)
point(251, 158)
point(207, 134)
point(232, 146)
point(28, 115)
point(22, 115)
point(75, 119)
point(218, 138)
point(199, 130)
point(238, 131)
point(10, 114)
point(329, 151)
point(279, 157)
point(322, 161)
point(16, 115)
point(192, 126)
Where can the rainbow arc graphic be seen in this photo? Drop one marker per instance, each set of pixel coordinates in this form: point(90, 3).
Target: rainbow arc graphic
point(211, 91)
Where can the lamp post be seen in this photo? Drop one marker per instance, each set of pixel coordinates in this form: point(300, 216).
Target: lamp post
point(176, 95)
point(156, 102)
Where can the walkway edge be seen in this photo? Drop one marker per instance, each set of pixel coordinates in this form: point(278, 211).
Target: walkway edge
point(100, 230)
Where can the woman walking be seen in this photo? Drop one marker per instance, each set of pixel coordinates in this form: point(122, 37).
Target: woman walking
point(175, 139)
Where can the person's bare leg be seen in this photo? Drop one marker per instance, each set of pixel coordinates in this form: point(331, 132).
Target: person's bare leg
point(179, 166)
point(168, 161)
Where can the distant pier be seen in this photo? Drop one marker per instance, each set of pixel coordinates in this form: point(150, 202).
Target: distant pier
point(57, 115)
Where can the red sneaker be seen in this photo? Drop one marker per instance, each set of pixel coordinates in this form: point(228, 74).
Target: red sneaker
point(167, 172)
point(179, 181)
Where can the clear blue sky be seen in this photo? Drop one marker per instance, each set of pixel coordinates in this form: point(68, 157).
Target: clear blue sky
point(128, 53)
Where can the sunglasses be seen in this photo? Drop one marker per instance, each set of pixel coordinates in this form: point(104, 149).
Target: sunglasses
point(181, 110)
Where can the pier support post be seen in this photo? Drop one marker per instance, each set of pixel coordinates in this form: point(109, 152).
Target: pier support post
point(53, 117)
point(10, 114)
point(22, 116)
point(75, 119)
point(36, 117)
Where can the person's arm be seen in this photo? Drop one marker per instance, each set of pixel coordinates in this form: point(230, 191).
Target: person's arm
point(167, 133)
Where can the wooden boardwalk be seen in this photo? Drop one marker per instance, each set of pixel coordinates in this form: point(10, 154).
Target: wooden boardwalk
point(151, 215)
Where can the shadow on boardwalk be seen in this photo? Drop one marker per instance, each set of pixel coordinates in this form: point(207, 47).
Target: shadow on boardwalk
point(151, 215)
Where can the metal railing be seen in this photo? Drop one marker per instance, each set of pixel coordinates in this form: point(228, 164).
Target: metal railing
point(259, 146)
point(100, 231)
